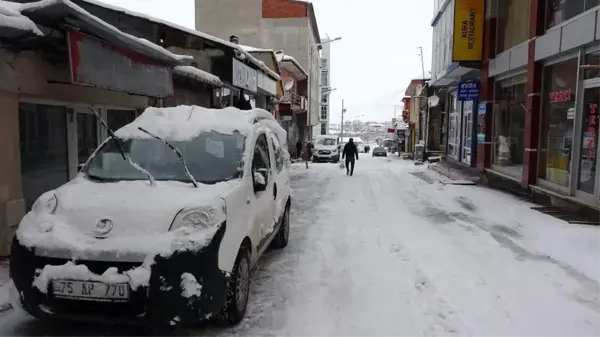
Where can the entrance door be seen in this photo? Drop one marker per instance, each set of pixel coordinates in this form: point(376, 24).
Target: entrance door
point(84, 137)
point(467, 127)
point(587, 179)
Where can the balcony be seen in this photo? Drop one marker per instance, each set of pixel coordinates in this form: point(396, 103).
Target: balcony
point(298, 103)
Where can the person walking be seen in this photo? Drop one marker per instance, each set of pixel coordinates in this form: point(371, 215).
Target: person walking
point(350, 153)
point(299, 149)
point(308, 153)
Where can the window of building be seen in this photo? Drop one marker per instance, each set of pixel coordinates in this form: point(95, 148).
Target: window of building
point(324, 63)
point(323, 129)
point(509, 122)
point(512, 24)
point(590, 65)
point(324, 112)
point(587, 174)
point(44, 155)
point(559, 11)
point(454, 126)
point(558, 116)
point(324, 99)
point(119, 118)
point(324, 78)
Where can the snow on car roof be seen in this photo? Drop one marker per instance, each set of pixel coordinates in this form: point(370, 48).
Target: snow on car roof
point(186, 122)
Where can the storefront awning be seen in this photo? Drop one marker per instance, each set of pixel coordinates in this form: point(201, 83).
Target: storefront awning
point(453, 74)
point(57, 13)
point(197, 75)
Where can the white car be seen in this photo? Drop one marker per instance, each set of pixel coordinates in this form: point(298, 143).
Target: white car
point(327, 149)
point(163, 223)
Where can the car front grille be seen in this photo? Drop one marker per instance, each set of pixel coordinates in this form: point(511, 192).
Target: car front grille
point(324, 152)
point(96, 267)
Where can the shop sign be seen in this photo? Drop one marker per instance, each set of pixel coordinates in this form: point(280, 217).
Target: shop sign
point(481, 122)
point(243, 76)
point(468, 30)
point(468, 91)
point(99, 64)
point(401, 133)
point(591, 133)
point(267, 85)
point(560, 96)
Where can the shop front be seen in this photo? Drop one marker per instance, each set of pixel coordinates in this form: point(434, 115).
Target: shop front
point(462, 123)
point(508, 125)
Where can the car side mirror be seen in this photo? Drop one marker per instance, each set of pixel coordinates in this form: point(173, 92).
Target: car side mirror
point(80, 166)
point(260, 180)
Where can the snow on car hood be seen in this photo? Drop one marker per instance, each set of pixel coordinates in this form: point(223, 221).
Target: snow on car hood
point(326, 147)
point(141, 216)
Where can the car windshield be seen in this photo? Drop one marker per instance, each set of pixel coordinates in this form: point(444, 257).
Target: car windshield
point(211, 157)
point(326, 141)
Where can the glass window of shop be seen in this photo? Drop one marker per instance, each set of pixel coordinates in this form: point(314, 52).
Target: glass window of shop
point(44, 155)
point(513, 23)
point(453, 126)
point(558, 119)
point(559, 11)
point(509, 122)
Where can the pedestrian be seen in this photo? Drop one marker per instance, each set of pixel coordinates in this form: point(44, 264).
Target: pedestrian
point(308, 152)
point(298, 149)
point(350, 152)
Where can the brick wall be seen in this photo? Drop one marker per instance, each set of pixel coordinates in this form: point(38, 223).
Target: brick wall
point(278, 9)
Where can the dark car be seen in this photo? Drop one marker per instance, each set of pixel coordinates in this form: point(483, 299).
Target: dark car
point(379, 152)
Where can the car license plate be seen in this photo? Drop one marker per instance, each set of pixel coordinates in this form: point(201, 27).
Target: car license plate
point(90, 291)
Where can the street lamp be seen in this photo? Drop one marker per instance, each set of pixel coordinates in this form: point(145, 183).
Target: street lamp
point(310, 76)
point(327, 92)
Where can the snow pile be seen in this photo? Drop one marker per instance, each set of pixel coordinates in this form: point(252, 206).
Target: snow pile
point(190, 286)
point(136, 277)
point(197, 74)
point(133, 39)
point(11, 17)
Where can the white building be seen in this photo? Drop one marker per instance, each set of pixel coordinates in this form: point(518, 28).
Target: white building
point(325, 82)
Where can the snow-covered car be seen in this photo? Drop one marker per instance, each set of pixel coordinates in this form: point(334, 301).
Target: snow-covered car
point(164, 222)
point(327, 149)
point(360, 146)
point(379, 151)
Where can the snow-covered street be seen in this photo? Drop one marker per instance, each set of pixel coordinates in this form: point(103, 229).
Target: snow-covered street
point(391, 251)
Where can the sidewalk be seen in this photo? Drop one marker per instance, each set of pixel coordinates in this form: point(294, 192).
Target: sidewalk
point(455, 174)
point(4, 291)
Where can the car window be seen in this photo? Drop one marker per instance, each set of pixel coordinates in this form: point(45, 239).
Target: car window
point(279, 158)
point(261, 159)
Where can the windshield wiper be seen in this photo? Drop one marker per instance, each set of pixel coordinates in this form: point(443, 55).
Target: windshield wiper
point(119, 144)
point(177, 152)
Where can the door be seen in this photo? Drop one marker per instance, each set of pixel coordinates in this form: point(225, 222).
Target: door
point(587, 177)
point(263, 199)
point(467, 128)
point(281, 177)
point(84, 137)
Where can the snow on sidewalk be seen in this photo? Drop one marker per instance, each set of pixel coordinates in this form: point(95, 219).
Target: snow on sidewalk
point(4, 291)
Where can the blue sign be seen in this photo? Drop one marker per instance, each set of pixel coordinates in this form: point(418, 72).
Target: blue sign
point(468, 91)
point(481, 122)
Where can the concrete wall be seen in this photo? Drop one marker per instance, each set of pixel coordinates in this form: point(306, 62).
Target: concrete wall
point(26, 75)
point(223, 18)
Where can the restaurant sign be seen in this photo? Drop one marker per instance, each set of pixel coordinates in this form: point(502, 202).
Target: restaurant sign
point(99, 64)
point(244, 77)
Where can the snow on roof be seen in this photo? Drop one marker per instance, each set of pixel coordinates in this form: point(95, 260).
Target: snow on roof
point(190, 31)
point(185, 122)
point(256, 50)
point(291, 59)
point(138, 44)
point(11, 17)
point(197, 74)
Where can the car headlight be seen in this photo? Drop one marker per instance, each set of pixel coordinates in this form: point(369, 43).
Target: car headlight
point(334, 151)
point(198, 218)
point(46, 203)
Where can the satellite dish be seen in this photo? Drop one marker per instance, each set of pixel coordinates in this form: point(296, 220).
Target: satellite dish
point(279, 55)
point(288, 84)
point(419, 90)
point(433, 100)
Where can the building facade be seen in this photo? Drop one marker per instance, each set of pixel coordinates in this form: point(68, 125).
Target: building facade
point(325, 67)
point(541, 81)
point(288, 25)
point(457, 54)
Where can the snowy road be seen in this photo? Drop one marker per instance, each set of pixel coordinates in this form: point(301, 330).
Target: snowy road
point(389, 252)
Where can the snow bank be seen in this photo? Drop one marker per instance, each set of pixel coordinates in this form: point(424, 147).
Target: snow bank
point(197, 74)
point(190, 286)
point(11, 17)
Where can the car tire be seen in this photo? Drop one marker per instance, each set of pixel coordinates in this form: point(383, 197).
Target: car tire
point(238, 290)
point(281, 239)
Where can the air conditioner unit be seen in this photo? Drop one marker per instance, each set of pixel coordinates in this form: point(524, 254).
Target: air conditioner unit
point(304, 104)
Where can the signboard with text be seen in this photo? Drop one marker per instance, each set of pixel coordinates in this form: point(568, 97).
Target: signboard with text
point(481, 122)
point(244, 77)
point(467, 42)
point(468, 91)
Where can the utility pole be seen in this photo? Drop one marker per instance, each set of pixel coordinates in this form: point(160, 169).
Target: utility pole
point(422, 63)
point(342, 125)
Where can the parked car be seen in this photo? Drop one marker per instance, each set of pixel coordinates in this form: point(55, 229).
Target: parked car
point(163, 223)
point(327, 149)
point(379, 152)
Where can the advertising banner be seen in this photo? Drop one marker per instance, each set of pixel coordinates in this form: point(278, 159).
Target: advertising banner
point(481, 122)
point(468, 30)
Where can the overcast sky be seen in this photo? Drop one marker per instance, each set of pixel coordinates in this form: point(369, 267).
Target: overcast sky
point(372, 64)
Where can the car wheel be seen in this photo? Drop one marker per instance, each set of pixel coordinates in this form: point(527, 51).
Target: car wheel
point(238, 290)
point(283, 234)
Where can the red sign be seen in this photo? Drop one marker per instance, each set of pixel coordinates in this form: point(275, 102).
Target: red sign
point(560, 96)
point(390, 130)
point(591, 145)
point(97, 63)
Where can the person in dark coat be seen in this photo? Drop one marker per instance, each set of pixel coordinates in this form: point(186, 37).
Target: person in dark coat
point(350, 153)
point(299, 149)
